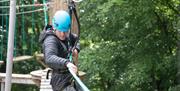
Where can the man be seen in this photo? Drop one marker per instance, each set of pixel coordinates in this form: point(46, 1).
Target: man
point(55, 43)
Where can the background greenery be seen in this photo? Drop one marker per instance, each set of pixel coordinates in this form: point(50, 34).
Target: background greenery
point(126, 45)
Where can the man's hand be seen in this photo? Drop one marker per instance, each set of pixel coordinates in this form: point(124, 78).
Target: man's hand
point(72, 67)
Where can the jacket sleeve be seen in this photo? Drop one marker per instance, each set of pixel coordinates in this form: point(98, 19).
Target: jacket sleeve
point(52, 59)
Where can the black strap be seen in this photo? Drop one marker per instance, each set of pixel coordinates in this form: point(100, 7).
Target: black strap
point(58, 71)
point(47, 75)
point(75, 13)
point(72, 10)
point(64, 46)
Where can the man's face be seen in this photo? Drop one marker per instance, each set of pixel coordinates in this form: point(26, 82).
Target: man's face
point(62, 35)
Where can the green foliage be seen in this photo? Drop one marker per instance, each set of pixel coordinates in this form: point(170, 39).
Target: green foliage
point(133, 44)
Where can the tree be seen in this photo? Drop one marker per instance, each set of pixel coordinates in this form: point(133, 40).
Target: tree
point(132, 44)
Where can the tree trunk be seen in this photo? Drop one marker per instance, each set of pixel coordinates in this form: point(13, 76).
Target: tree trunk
point(55, 6)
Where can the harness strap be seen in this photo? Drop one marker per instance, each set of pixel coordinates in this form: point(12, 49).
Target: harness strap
point(47, 75)
point(56, 71)
point(64, 46)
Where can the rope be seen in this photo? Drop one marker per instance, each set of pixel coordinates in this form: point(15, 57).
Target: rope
point(45, 13)
point(33, 25)
point(23, 32)
point(27, 12)
point(30, 5)
point(2, 38)
point(4, 1)
point(7, 29)
point(72, 11)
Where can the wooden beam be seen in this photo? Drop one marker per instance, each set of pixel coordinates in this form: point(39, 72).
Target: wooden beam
point(40, 59)
point(22, 58)
point(21, 79)
point(41, 55)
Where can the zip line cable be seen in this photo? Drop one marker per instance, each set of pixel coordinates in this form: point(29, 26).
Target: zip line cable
point(7, 29)
point(30, 5)
point(45, 8)
point(26, 12)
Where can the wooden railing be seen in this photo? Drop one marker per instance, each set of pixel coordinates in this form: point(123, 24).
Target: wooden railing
point(37, 77)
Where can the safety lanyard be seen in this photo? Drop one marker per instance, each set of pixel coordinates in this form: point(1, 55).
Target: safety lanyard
point(72, 10)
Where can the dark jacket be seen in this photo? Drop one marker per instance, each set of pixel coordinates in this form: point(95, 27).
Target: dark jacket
point(54, 53)
point(56, 56)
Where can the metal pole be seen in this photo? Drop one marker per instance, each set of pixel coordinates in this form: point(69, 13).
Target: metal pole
point(10, 45)
point(2, 86)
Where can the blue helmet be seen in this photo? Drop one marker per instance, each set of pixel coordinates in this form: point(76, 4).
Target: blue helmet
point(61, 21)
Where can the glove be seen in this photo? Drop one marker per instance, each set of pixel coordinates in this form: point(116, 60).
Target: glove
point(72, 67)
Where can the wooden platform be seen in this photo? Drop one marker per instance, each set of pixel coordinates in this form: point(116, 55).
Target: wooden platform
point(37, 78)
point(20, 79)
point(22, 58)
